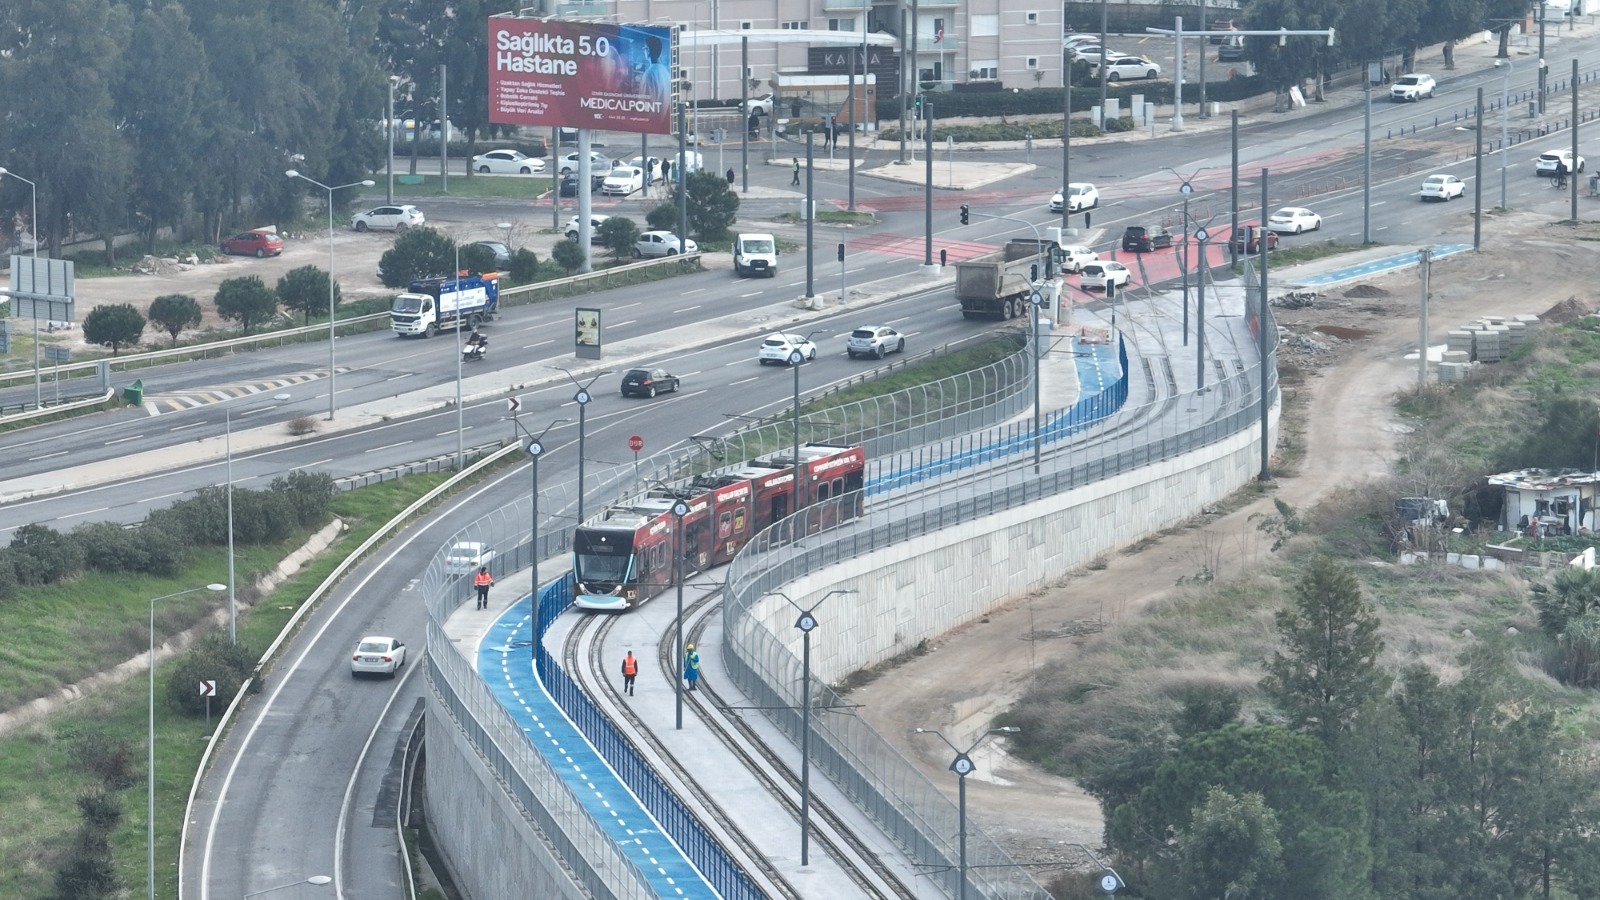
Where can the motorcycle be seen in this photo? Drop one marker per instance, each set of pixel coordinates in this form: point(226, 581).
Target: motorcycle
point(476, 347)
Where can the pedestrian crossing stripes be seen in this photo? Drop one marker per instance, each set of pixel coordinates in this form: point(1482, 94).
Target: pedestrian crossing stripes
point(915, 248)
point(157, 404)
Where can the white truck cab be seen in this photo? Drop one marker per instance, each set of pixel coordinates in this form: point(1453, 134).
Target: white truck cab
point(755, 254)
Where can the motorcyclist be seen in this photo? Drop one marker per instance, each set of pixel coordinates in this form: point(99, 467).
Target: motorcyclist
point(476, 345)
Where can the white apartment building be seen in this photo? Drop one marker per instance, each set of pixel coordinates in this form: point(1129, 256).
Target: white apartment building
point(1015, 43)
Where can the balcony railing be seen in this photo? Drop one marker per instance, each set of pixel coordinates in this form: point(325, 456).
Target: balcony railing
point(949, 44)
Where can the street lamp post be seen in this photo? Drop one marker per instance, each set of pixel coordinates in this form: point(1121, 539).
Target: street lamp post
point(1505, 117)
point(150, 812)
point(1186, 188)
point(679, 510)
point(315, 879)
point(292, 173)
point(807, 623)
point(963, 766)
point(33, 228)
point(535, 450)
point(582, 398)
point(801, 490)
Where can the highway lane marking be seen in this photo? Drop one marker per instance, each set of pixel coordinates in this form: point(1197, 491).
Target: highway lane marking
point(685, 309)
point(388, 447)
point(540, 344)
point(695, 291)
point(124, 440)
point(182, 427)
point(756, 294)
point(620, 324)
point(309, 465)
point(737, 383)
point(628, 305)
point(87, 512)
point(398, 377)
point(163, 496)
point(48, 455)
point(251, 412)
point(453, 431)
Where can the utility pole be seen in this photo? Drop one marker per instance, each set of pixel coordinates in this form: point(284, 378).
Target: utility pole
point(1425, 259)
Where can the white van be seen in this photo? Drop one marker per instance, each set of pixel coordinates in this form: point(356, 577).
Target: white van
point(755, 254)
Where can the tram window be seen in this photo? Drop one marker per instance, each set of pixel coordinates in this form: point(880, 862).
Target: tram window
point(725, 524)
point(738, 521)
point(824, 491)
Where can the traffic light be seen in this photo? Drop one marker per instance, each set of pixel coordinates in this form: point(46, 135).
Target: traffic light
point(918, 104)
point(841, 253)
point(1033, 272)
point(966, 218)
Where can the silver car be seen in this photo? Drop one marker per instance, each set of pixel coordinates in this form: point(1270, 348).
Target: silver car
point(662, 243)
point(377, 656)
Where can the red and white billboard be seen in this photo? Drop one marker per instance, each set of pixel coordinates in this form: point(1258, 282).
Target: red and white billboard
point(581, 75)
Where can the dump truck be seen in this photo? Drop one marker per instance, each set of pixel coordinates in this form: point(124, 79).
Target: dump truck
point(1001, 289)
point(430, 304)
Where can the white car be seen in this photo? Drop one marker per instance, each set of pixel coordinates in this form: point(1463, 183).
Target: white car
point(1073, 259)
point(465, 557)
point(662, 243)
point(377, 656)
point(1092, 53)
point(1082, 194)
point(1442, 187)
point(506, 162)
point(388, 218)
point(1412, 87)
point(598, 162)
point(760, 106)
point(1079, 40)
point(1120, 67)
point(594, 228)
point(1546, 164)
point(1095, 274)
point(1293, 220)
point(622, 181)
point(779, 348)
point(875, 340)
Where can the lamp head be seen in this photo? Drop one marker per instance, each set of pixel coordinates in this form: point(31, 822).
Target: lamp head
point(3, 172)
point(292, 173)
point(216, 587)
point(368, 183)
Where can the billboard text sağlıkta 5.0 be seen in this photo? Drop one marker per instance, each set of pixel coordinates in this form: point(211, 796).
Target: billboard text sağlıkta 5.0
point(580, 75)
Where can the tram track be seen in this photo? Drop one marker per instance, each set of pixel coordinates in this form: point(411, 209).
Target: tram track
point(585, 652)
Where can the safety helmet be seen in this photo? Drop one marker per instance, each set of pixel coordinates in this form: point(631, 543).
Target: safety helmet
point(691, 646)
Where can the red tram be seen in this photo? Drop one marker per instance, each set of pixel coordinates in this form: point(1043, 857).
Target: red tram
point(623, 556)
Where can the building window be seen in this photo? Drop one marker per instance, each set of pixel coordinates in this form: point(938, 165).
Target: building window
point(746, 25)
point(985, 26)
point(1033, 62)
point(797, 26)
point(1030, 18)
point(986, 70)
point(841, 24)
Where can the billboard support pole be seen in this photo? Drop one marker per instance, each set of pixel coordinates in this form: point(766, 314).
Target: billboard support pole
point(585, 183)
point(683, 178)
point(744, 107)
point(444, 129)
point(555, 181)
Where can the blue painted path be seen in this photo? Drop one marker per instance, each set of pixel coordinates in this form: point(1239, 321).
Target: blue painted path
point(503, 664)
point(1376, 266)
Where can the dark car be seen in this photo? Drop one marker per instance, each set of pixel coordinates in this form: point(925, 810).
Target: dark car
point(1247, 240)
point(569, 184)
point(1144, 238)
point(258, 243)
point(648, 382)
point(1232, 50)
point(502, 253)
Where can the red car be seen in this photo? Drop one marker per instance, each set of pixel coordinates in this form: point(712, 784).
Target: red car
point(258, 243)
point(1247, 240)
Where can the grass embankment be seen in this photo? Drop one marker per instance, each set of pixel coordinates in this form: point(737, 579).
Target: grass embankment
point(60, 634)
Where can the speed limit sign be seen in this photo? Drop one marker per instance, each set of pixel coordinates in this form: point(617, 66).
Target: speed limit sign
point(635, 443)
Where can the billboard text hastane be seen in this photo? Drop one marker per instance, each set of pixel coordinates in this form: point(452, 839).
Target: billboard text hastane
point(580, 75)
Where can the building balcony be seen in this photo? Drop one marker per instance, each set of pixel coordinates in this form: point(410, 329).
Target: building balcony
point(845, 5)
point(950, 44)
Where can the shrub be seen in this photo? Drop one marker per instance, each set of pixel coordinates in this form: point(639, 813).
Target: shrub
point(247, 301)
point(43, 555)
point(418, 253)
point(100, 809)
point(173, 313)
point(211, 658)
point(108, 547)
point(110, 761)
point(302, 425)
point(305, 290)
point(260, 517)
point(524, 268)
point(309, 494)
point(8, 574)
point(115, 325)
point(477, 259)
point(662, 217)
point(618, 234)
point(568, 255)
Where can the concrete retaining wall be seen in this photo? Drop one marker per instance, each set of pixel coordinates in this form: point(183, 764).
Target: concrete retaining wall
point(492, 850)
point(920, 589)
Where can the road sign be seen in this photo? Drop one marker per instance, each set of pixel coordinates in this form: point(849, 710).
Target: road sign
point(513, 404)
point(635, 443)
point(208, 688)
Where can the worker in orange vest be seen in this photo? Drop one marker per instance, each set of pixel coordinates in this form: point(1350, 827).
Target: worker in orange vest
point(630, 669)
point(482, 581)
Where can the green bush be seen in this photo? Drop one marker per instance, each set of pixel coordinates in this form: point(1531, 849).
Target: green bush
point(109, 547)
point(477, 259)
point(418, 253)
point(524, 266)
point(310, 496)
point(210, 658)
point(662, 217)
point(43, 555)
point(618, 234)
point(568, 255)
point(8, 574)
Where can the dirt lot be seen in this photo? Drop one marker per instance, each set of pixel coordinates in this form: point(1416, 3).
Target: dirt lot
point(1348, 431)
